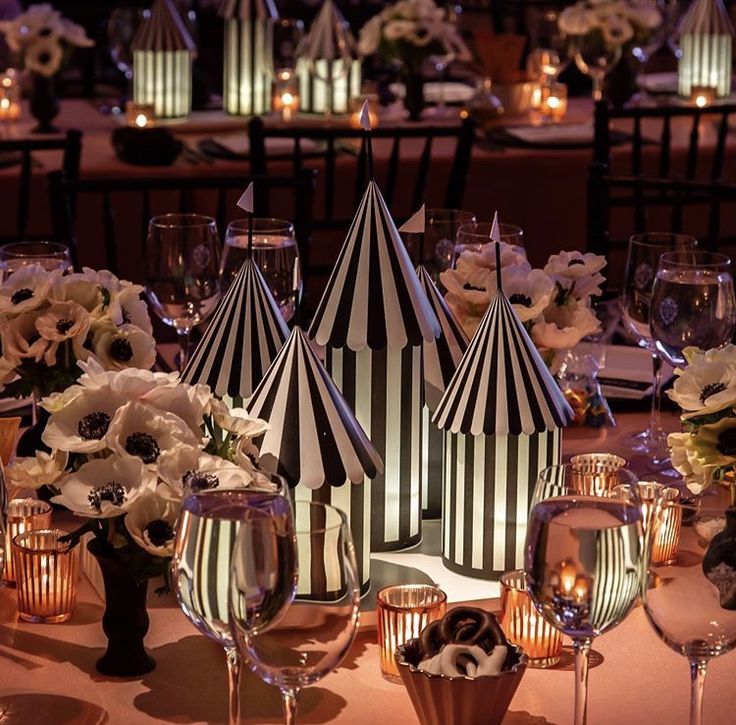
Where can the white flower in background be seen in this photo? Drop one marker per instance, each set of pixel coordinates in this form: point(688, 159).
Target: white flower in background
point(44, 57)
point(38, 21)
point(60, 322)
point(105, 487)
point(370, 36)
point(127, 308)
point(134, 382)
point(564, 326)
point(398, 29)
point(26, 289)
point(705, 386)
point(20, 338)
point(617, 30)
point(644, 14)
point(529, 292)
point(43, 469)
point(75, 34)
point(237, 420)
point(121, 347)
point(575, 20)
point(151, 521)
point(577, 273)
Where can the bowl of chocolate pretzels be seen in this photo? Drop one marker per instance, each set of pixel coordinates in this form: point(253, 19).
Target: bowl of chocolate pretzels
point(461, 670)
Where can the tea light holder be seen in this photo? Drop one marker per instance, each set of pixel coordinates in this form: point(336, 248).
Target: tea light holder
point(403, 611)
point(47, 573)
point(554, 101)
point(10, 109)
point(140, 115)
point(703, 96)
point(286, 95)
point(668, 521)
point(524, 626)
point(24, 514)
point(596, 474)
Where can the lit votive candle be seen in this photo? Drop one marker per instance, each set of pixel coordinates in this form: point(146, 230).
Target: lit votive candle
point(554, 101)
point(702, 96)
point(24, 514)
point(595, 474)
point(524, 626)
point(47, 572)
point(403, 611)
point(140, 115)
point(286, 95)
point(9, 95)
point(667, 522)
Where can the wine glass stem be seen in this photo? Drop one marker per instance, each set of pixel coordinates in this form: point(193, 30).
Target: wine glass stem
point(183, 334)
point(582, 651)
point(597, 78)
point(290, 697)
point(233, 685)
point(655, 425)
point(698, 668)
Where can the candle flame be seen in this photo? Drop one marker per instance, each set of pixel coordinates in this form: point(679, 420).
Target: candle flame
point(141, 120)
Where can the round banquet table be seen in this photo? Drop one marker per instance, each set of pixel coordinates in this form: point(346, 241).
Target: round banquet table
point(47, 672)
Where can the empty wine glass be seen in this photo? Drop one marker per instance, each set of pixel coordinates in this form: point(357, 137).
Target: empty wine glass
point(183, 272)
point(49, 255)
point(641, 266)
point(585, 556)
point(691, 601)
point(692, 303)
point(472, 237)
point(596, 58)
point(311, 637)
point(274, 251)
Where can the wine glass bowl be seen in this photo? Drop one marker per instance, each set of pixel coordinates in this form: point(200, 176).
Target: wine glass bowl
point(472, 237)
point(49, 255)
point(596, 58)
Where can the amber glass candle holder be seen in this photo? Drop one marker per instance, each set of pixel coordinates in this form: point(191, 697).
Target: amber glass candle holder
point(596, 474)
point(24, 514)
point(524, 626)
point(47, 572)
point(403, 611)
point(667, 522)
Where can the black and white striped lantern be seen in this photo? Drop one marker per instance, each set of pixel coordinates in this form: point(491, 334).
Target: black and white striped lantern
point(162, 62)
point(502, 413)
point(373, 319)
point(245, 335)
point(317, 445)
point(440, 359)
point(246, 89)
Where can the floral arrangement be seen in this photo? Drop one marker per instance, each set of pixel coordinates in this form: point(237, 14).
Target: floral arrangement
point(554, 303)
point(49, 321)
point(705, 452)
point(126, 445)
point(41, 37)
point(410, 31)
point(618, 21)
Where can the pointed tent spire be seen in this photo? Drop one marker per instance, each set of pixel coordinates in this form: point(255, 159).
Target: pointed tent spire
point(328, 35)
point(163, 30)
point(441, 357)
point(248, 9)
point(706, 17)
point(373, 297)
point(244, 336)
point(313, 437)
point(502, 385)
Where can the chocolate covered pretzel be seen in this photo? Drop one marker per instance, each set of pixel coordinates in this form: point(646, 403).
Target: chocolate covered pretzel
point(462, 625)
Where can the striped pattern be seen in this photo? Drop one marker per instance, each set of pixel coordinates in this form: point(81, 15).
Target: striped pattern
point(163, 78)
point(314, 437)
point(314, 94)
point(502, 386)
point(328, 35)
point(242, 340)
point(373, 298)
point(164, 30)
point(384, 389)
point(248, 9)
point(488, 485)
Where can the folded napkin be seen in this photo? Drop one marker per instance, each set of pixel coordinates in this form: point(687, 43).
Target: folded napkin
point(562, 133)
point(437, 91)
point(239, 144)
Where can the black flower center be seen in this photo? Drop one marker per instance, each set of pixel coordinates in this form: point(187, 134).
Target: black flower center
point(573, 262)
point(121, 350)
point(519, 299)
point(727, 442)
point(93, 426)
point(470, 287)
point(144, 446)
point(125, 315)
point(88, 341)
point(200, 481)
point(711, 389)
point(159, 532)
point(44, 57)
point(44, 32)
point(63, 326)
point(113, 492)
point(21, 295)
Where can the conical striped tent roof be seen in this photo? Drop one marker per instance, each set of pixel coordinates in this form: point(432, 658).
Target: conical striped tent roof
point(706, 17)
point(244, 336)
point(314, 437)
point(163, 30)
point(248, 9)
point(373, 297)
point(327, 34)
point(502, 385)
point(440, 357)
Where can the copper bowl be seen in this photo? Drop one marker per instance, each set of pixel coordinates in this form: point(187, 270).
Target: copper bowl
point(442, 700)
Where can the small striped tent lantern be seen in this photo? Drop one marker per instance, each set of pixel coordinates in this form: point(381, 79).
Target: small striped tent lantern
point(318, 446)
point(705, 62)
point(373, 319)
point(440, 359)
point(163, 51)
point(242, 340)
point(321, 58)
point(502, 414)
point(246, 89)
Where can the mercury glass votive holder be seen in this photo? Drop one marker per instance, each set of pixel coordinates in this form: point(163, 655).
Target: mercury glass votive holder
point(668, 521)
point(24, 514)
point(524, 626)
point(403, 611)
point(47, 574)
point(596, 474)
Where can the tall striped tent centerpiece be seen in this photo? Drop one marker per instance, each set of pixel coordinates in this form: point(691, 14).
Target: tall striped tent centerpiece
point(246, 89)
point(317, 445)
point(163, 51)
point(502, 414)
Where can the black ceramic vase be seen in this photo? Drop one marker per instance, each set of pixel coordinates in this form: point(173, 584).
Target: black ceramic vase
point(44, 103)
point(414, 95)
point(125, 621)
point(719, 562)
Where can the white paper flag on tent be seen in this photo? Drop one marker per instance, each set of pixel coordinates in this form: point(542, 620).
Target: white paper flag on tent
point(416, 224)
point(365, 117)
point(246, 200)
point(495, 232)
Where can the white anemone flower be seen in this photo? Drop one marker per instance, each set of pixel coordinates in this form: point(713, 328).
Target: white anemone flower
point(528, 292)
point(685, 461)
point(188, 402)
point(75, 34)
point(43, 469)
point(60, 322)
point(617, 30)
point(485, 257)
point(564, 326)
point(26, 289)
point(44, 56)
point(20, 337)
point(134, 382)
point(705, 387)
point(575, 20)
point(105, 487)
point(237, 421)
point(573, 265)
point(121, 347)
point(715, 444)
point(398, 29)
point(127, 308)
point(77, 287)
point(151, 522)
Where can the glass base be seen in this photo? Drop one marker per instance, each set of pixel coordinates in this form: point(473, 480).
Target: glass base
point(45, 619)
point(648, 441)
point(391, 677)
point(543, 663)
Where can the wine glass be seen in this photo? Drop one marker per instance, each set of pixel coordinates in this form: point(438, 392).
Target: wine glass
point(692, 303)
point(183, 272)
point(122, 27)
point(200, 567)
point(276, 254)
point(472, 237)
point(641, 266)
point(585, 556)
point(49, 255)
point(309, 638)
point(691, 601)
point(594, 57)
point(286, 35)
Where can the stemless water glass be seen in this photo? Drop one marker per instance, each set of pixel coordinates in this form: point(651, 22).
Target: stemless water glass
point(585, 557)
point(691, 601)
point(692, 303)
point(310, 638)
point(641, 266)
point(183, 272)
point(49, 255)
point(595, 57)
point(471, 237)
point(437, 249)
point(200, 566)
point(274, 251)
